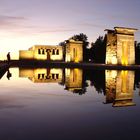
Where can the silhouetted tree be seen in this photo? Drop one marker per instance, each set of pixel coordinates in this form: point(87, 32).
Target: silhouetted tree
point(97, 79)
point(63, 44)
point(137, 52)
point(98, 50)
point(137, 79)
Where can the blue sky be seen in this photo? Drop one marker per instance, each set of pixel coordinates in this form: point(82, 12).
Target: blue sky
point(29, 22)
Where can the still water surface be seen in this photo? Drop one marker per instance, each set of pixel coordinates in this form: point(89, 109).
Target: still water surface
point(47, 104)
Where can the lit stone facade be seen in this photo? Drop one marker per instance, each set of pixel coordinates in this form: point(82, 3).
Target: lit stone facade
point(42, 75)
point(42, 52)
point(73, 52)
point(119, 87)
point(120, 46)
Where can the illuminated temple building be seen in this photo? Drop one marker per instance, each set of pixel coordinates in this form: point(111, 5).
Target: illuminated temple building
point(42, 52)
point(119, 49)
point(120, 46)
point(119, 87)
point(73, 52)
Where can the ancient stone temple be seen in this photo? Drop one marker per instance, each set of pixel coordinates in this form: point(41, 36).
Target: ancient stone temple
point(42, 52)
point(119, 87)
point(120, 46)
point(72, 52)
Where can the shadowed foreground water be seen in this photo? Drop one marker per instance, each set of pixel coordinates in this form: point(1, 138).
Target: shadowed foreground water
point(40, 104)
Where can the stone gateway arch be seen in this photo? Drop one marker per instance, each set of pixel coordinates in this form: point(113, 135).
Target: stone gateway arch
point(120, 47)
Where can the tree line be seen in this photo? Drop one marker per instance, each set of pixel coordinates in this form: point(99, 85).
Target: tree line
point(137, 52)
point(96, 52)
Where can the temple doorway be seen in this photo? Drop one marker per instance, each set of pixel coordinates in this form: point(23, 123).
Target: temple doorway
point(48, 54)
point(124, 53)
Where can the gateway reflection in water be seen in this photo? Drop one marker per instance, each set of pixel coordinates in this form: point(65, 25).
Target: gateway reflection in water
point(71, 78)
point(119, 87)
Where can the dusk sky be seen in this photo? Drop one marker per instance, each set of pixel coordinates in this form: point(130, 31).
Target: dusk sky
point(24, 23)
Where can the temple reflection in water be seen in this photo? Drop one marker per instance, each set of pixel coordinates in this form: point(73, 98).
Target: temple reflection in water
point(71, 78)
point(42, 75)
point(119, 87)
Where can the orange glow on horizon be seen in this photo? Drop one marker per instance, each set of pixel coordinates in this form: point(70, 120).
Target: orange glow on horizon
point(13, 44)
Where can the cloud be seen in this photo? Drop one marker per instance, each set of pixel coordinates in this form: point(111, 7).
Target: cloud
point(19, 23)
point(91, 25)
point(11, 21)
point(57, 30)
point(21, 26)
point(11, 18)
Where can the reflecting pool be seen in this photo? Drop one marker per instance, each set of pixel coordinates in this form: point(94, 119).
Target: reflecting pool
point(50, 103)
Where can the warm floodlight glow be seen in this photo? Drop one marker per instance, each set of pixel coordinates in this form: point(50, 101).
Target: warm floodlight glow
point(76, 60)
point(114, 60)
point(124, 53)
point(124, 77)
point(67, 58)
point(111, 74)
point(124, 61)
